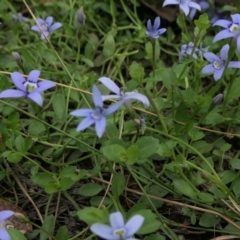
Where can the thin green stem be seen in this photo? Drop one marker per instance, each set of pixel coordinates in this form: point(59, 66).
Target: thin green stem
point(163, 226)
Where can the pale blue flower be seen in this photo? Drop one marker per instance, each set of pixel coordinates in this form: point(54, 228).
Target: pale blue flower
point(118, 229)
point(232, 29)
point(217, 64)
point(184, 5)
point(5, 214)
point(95, 116)
point(120, 94)
point(187, 49)
point(204, 6)
point(47, 26)
point(154, 31)
point(19, 18)
point(29, 88)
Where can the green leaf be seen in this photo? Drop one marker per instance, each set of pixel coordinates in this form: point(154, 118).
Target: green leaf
point(36, 128)
point(232, 229)
point(156, 236)
point(227, 176)
point(52, 188)
point(92, 215)
point(13, 119)
point(59, 105)
point(235, 89)
point(183, 187)
point(28, 143)
point(150, 223)
point(118, 185)
point(235, 163)
point(14, 157)
point(167, 76)
point(206, 197)
point(66, 183)
point(90, 189)
point(132, 154)
point(209, 220)
point(109, 46)
point(147, 147)
point(47, 226)
point(201, 146)
point(203, 22)
point(182, 113)
point(113, 152)
point(136, 71)
point(20, 144)
point(16, 234)
point(42, 179)
point(62, 233)
point(217, 192)
point(236, 188)
point(156, 191)
point(95, 201)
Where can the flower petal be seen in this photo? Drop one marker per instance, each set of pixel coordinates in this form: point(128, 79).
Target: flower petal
point(170, 2)
point(208, 69)
point(49, 21)
point(222, 23)
point(105, 97)
point(46, 34)
point(113, 108)
point(40, 21)
point(33, 76)
point(103, 231)
point(238, 44)
point(223, 34)
point(5, 215)
point(35, 28)
point(234, 64)
point(18, 80)
point(156, 23)
point(194, 5)
point(149, 25)
point(236, 18)
point(133, 224)
point(218, 74)
point(97, 98)
point(116, 220)
point(184, 8)
point(110, 84)
point(4, 234)
point(82, 112)
point(36, 97)
point(85, 123)
point(55, 26)
point(12, 94)
point(100, 126)
point(161, 31)
point(192, 13)
point(224, 52)
point(44, 85)
point(211, 57)
point(139, 97)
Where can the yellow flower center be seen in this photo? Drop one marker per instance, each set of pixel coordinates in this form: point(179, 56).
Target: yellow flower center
point(44, 27)
point(30, 87)
point(234, 28)
point(120, 233)
point(217, 64)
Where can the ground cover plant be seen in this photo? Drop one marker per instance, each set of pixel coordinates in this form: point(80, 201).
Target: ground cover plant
point(119, 119)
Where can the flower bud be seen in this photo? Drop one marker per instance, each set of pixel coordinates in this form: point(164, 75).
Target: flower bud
point(217, 99)
point(17, 58)
point(22, 217)
point(80, 17)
